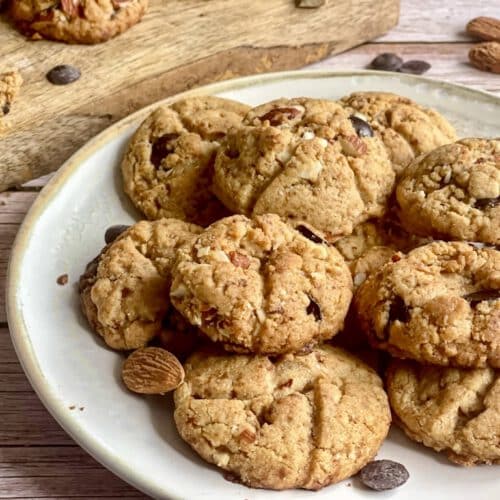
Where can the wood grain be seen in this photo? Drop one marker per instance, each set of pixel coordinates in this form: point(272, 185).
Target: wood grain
point(171, 50)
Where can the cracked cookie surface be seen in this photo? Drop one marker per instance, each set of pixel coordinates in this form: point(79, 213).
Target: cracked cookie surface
point(406, 129)
point(76, 21)
point(288, 422)
point(440, 304)
point(124, 290)
point(452, 410)
point(454, 192)
point(167, 170)
point(304, 160)
point(258, 285)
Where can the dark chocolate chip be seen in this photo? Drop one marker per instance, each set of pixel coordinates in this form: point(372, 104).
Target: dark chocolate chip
point(63, 74)
point(232, 153)
point(415, 67)
point(361, 127)
point(6, 108)
point(314, 309)
point(387, 62)
point(398, 311)
point(485, 203)
point(381, 475)
point(113, 232)
point(306, 232)
point(161, 148)
point(278, 115)
point(484, 295)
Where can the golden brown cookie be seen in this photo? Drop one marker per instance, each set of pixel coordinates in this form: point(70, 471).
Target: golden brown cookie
point(76, 21)
point(167, 170)
point(454, 192)
point(124, 290)
point(407, 129)
point(449, 409)
point(257, 285)
point(288, 422)
point(304, 160)
point(439, 304)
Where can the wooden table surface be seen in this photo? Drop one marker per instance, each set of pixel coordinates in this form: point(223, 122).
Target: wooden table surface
point(37, 458)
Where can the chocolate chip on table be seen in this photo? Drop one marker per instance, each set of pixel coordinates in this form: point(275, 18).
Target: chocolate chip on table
point(387, 61)
point(361, 127)
point(483, 203)
point(63, 74)
point(161, 148)
point(113, 232)
point(415, 67)
point(314, 309)
point(309, 4)
point(381, 475)
point(484, 295)
point(307, 233)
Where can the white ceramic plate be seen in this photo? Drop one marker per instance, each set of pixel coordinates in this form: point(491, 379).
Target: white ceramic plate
point(69, 367)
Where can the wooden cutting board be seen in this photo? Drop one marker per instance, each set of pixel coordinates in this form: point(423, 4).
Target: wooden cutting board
point(178, 45)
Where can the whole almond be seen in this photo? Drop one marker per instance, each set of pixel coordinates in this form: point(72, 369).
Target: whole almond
point(486, 56)
point(152, 370)
point(484, 28)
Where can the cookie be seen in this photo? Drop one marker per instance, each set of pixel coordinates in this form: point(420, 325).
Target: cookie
point(440, 304)
point(76, 21)
point(257, 285)
point(10, 83)
point(288, 422)
point(452, 410)
point(304, 160)
point(407, 129)
point(124, 290)
point(167, 170)
point(454, 192)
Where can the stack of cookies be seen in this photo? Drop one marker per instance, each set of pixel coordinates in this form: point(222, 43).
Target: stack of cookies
point(274, 231)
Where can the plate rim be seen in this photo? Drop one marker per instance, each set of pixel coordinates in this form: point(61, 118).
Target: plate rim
point(17, 329)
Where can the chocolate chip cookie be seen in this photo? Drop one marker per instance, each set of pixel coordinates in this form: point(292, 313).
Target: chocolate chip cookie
point(10, 83)
point(407, 129)
point(288, 422)
point(124, 290)
point(452, 410)
point(454, 192)
point(167, 170)
point(305, 160)
point(76, 21)
point(257, 285)
point(440, 304)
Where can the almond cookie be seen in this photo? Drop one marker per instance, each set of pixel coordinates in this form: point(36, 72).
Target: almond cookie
point(454, 192)
point(440, 304)
point(288, 422)
point(304, 160)
point(167, 170)
point(76, 21)
point(407, 129)
point(124, 290)
point(258, 285)
point(452, 410)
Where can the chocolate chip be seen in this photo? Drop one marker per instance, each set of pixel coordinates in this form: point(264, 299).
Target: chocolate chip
point(278, 115)
point(362, 128)
point(314, 309)
point(387, 62)
point(113, 232)
point(232, 153)
point(484, 295)
point(485, 203)
point(381, 475)
point(306, 232)
point(161, 148)
point(63, 74)
point(398, 311)
point(415, 67)
point(6, 108)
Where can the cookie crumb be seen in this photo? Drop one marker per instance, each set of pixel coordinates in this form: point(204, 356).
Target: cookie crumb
point(62, 280)
point(81, 408)
point(72, 407)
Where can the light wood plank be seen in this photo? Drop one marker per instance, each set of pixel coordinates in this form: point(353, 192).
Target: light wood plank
point(437, 20)
point(449, 62)
point(14, 205)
